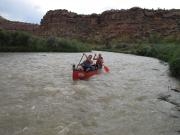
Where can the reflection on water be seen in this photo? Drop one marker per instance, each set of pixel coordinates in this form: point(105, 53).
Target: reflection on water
point(38, 96)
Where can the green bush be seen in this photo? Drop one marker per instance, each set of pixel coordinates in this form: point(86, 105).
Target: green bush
point(175, 67)
point(144, 50)
point(175, 62)
point(163, 51)
point(23, 42)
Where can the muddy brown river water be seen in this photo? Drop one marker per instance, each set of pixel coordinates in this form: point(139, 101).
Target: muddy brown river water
point(38, 96)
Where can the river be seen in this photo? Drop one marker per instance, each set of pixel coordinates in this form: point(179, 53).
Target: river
point(38, 96)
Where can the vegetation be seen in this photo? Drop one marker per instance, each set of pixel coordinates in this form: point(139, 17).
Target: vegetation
point(23, 42)
point(166, 49)
point(166, 52)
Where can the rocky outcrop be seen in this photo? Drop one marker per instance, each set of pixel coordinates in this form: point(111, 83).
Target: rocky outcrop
point(123, 25)
point(112, 24)
point(11, 25)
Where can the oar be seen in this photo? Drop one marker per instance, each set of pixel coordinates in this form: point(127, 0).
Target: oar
point(80, 60)
point(106, 68)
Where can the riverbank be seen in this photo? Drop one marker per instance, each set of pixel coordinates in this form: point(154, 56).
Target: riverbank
point(168, 52)
point(24, 42)
point(167, 49)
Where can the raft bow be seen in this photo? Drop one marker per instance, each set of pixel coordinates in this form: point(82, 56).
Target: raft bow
point(83, 75)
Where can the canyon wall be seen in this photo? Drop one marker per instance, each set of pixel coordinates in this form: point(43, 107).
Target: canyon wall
point(135, 23)
point(13, 26)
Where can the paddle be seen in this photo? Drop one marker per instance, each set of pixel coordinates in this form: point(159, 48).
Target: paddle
point(80, 60)
point(106, 68)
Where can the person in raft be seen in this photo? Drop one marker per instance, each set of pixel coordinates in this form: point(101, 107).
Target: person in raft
point(88, 65)
point(99, 61)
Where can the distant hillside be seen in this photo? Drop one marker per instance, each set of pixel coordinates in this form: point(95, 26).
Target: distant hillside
point(12, 25)
point(2, 19)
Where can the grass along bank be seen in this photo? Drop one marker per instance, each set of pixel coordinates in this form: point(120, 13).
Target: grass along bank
point(24, 42)
point(166, 51)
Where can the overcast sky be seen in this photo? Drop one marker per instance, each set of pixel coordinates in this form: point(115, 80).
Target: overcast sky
point(33, 10)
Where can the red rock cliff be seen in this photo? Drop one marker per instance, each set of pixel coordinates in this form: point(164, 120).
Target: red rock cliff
point(11, 25)
point(132, 23)
point(135, 23)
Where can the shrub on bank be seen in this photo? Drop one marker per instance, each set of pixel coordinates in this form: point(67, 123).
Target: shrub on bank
point(24, 42)
point(175, 67)
point(175, 62)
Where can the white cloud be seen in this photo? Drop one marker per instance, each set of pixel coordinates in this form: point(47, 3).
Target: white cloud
point(18, 10)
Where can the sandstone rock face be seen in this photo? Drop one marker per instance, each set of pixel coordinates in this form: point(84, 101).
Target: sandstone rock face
point(112, 24)
point(10, 25)
point(134, 23)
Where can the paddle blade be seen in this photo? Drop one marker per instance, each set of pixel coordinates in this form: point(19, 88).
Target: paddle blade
point(106, 68)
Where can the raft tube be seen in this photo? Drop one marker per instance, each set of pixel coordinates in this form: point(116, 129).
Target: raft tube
point(83, 75)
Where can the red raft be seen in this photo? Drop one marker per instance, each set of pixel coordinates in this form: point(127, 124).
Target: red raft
point(83, 75)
